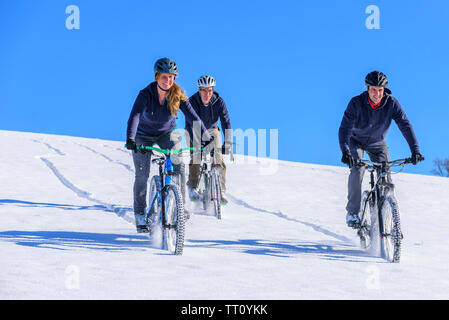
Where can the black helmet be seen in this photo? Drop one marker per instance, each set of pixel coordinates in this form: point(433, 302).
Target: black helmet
point(166, 65)
point(376, 79)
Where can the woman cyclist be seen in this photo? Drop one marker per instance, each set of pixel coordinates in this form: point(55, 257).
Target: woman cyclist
point(152, 121)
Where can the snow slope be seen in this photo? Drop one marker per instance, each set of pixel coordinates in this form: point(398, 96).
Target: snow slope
point(66, 232)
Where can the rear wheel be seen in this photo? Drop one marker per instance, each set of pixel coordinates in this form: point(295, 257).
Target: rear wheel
point(367, 220)
point(175, 221)
point(216, 193)
point(152, 218)
point(391, 237)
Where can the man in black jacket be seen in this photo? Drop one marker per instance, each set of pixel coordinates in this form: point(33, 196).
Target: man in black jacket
point(364, 126)
point(210, 107)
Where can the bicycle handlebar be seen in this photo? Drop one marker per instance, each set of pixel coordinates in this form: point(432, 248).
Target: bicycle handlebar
point(369, 163)
point(167, 152)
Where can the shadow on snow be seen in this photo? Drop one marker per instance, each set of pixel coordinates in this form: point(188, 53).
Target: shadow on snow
point(118, 210)
point(285, 249)
point(66, 240)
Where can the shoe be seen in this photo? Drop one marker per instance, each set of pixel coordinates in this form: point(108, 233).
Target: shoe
point(224, 199)
point(141, 226)
point(352, 220)
point(193, 194)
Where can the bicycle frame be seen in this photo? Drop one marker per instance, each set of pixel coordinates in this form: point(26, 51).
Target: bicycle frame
point(207, 165)
point(165, 172)
point(380, 186)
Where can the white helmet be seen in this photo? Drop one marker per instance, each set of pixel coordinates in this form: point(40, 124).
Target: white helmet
point(206, 81)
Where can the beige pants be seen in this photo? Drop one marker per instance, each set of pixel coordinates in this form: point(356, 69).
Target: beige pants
point(194, 165)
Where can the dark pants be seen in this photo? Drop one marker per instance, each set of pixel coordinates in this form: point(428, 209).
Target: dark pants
point(377, 152)
point(142, 163)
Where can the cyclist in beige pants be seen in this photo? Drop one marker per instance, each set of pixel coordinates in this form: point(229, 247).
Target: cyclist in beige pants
point(210, 107)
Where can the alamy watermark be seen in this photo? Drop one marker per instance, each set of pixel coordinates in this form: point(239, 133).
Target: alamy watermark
point(72, 281)
point(251, 145)
point(373, 278)
point(373, 20)
point(73, 20)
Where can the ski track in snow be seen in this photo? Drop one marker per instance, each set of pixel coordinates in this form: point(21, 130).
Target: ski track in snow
point(118, 210)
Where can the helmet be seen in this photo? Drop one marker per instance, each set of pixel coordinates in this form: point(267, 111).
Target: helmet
point(376, 79)
point(166, 65)
point(206, 81)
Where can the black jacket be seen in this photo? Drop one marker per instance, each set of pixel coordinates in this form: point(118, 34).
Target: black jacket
point(209, 114)
point(149, 117)
point(367, 125)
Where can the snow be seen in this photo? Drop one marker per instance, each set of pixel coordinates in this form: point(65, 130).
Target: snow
point(67, 232)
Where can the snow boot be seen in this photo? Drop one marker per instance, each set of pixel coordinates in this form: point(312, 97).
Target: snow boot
point(193, 194)
point(352, 220)
point(141, 226)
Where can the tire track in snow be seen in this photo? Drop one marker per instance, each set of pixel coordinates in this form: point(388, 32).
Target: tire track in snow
point(281, 215)
point(127, 167)
point(118, 210)
point(59, 152)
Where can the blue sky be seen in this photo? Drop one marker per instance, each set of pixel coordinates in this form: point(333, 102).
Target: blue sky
point(286, 65)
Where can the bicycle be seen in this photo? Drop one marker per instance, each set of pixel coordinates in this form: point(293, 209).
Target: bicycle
point(379, 219)
point(209, 183)
point(166, 210)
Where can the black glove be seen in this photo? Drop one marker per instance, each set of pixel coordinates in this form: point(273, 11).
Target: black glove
point(416, 157)
point(226, 148)
point(131, 145)
point(347, 158)
point(204, 144)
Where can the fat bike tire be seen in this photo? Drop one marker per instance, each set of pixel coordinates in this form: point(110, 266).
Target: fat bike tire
point(152, 218)
point(392, 236)
point(174, 230)
point(367, 220)
point(207, 192)
point(216, 194)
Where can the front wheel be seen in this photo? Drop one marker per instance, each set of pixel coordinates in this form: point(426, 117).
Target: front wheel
point(174, 227)
point(206, 191)
point(391, 236)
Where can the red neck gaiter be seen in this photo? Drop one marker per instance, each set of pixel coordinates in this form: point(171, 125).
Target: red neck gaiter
point(374, 106)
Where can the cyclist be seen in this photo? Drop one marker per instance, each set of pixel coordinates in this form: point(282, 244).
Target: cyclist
point(209, 106)
point(363, 128)
point(152, 121)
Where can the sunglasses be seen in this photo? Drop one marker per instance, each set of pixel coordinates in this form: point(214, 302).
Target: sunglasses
point(207, 90)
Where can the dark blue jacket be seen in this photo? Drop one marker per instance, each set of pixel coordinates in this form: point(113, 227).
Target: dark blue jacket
point(366, 126)
point(209, 114)
point(148, 117)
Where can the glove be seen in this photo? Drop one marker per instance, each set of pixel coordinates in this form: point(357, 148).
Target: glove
point(416, 157)
point(204, 144)
point(226, 148)
point(347, 158)
point(131, 145)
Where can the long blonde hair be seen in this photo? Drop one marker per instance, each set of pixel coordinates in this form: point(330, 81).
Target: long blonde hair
point(174, 97)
